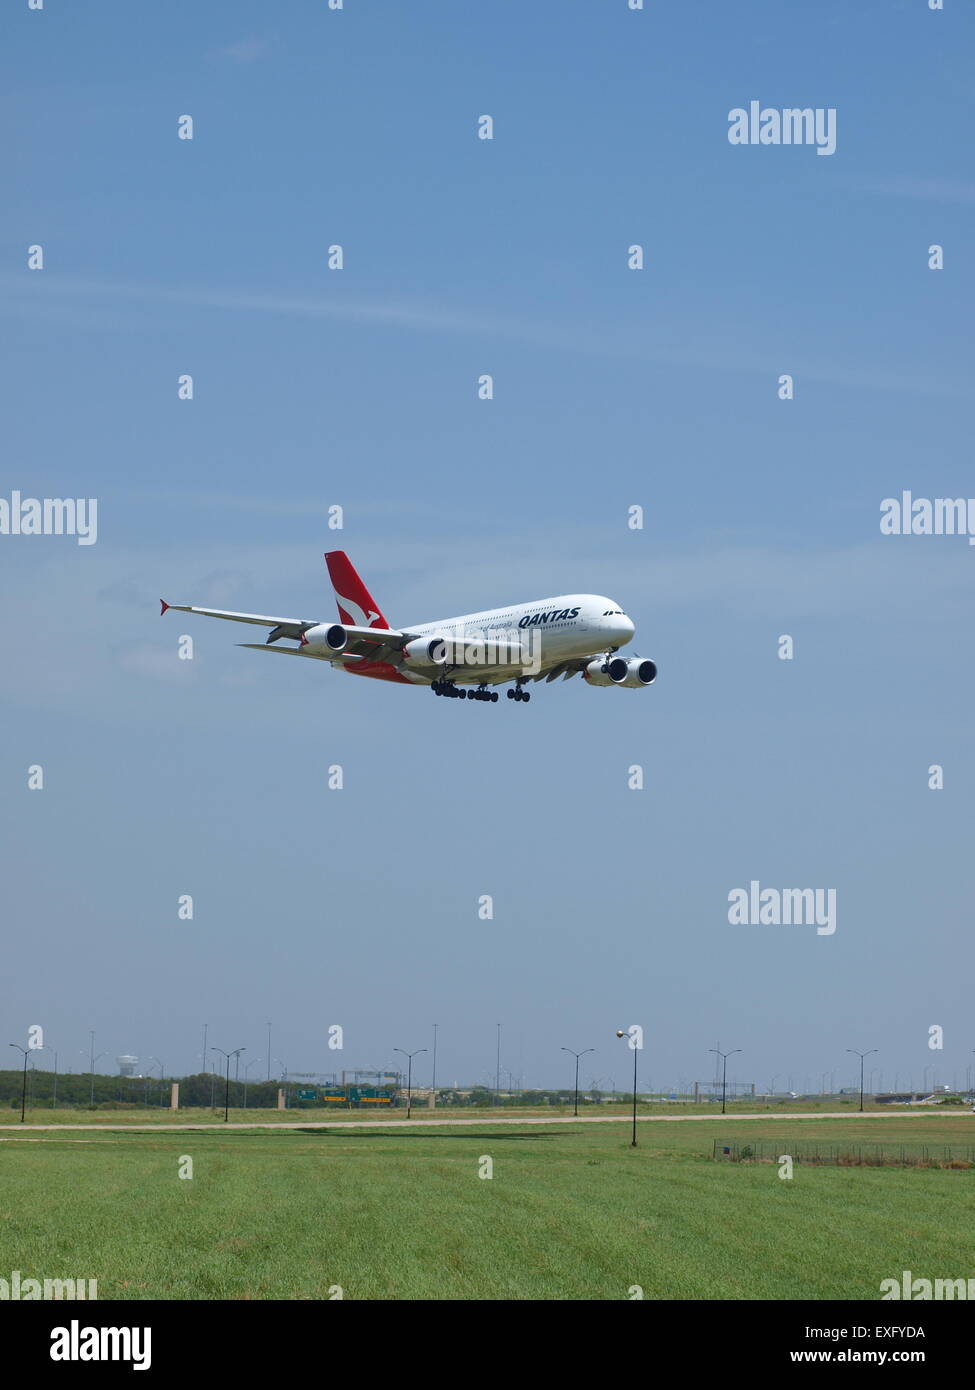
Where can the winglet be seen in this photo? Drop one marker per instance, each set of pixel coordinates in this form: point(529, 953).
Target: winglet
point(163, 605)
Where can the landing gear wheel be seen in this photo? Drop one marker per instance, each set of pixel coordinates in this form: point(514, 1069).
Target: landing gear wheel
point(525, 696)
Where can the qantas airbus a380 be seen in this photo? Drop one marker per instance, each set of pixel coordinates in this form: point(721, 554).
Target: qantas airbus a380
point(525, 642)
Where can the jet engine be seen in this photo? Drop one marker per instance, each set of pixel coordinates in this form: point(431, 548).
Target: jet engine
point(634, 674)
point(426, 651)
point(327, 638)
point(639, 672)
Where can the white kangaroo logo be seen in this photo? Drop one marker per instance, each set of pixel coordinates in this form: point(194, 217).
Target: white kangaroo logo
point(360, 617)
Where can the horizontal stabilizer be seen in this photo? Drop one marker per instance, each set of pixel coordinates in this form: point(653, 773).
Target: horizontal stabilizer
point(297, 651)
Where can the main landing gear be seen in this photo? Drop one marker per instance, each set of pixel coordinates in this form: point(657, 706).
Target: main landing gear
point(518, 693)
point(445, 687)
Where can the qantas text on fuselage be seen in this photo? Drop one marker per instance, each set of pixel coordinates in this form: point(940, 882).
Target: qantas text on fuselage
point(563, 636)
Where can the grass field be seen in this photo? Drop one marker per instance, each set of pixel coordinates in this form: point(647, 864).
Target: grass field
point(571, 1212)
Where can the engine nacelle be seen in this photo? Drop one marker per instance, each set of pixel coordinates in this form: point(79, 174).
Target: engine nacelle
point(426, 651)
point(635, 673)
point(639, 672)
point(327, 638)
point(599, 672)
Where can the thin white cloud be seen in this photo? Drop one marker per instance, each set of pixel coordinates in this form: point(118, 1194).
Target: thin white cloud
point(930, 190)
point(591, 339)
point(246, 50)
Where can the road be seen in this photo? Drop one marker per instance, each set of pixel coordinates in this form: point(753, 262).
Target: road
point(11, 1131)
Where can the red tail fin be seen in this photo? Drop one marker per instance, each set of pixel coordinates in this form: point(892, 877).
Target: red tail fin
point(357, 607)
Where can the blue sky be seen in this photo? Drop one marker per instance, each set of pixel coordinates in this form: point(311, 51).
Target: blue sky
point(612, 388)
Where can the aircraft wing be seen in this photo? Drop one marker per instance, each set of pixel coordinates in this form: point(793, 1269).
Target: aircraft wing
point(282, 627)
point(372, 643)
point(565, 669)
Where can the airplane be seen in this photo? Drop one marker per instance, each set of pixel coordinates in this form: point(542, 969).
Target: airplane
point(540, 640)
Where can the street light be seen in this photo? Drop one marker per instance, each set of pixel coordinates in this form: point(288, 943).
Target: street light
point(861, 1055)
point(23, 1094)
point(226, 1098)
point(621, 1034)
point(247, 1066)
point(162, 1072)
point(724, 1072)
point(54, 1099)
point(409, 1076)
point(92, 1061)
point(577, 1055)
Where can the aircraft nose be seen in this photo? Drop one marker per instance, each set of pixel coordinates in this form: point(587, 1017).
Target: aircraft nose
point(622, 627)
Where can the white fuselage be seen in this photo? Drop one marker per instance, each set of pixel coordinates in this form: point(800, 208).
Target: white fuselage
point(552, 630)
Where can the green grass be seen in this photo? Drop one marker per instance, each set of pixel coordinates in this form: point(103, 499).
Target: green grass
point(570, 1213)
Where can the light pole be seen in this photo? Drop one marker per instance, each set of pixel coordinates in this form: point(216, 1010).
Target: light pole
point(54, 1099)
point(23, 1094)
point(631, 1041)
point(409, 1075)
point(226, 1097)
point(92, 1059)
point(433, 1085)
point(91, 1068)
point(162, 1070)
point(284, 1078)
point(269, 1052)
point(724, 1072)
point(577, 1055)
point(861, 1055)
point(497, 1073)
point(247, 1066)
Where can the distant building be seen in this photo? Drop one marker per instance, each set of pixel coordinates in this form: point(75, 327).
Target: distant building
point(128, 1066)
